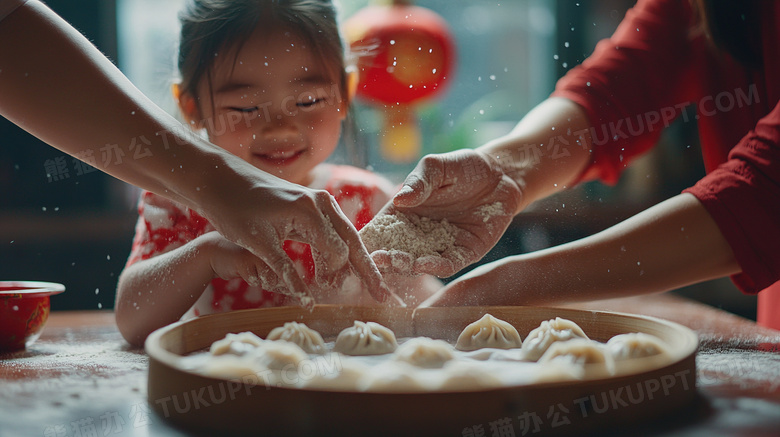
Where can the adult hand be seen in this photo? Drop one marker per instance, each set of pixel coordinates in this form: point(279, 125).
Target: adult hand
point(60, 88)
point(261, 217)
point(468, 189)
point(668, 246)
point(494, 284)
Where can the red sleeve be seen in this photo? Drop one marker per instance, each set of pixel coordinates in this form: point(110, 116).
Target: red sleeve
point(743, 196)
point(634, 84)
point(163, 225)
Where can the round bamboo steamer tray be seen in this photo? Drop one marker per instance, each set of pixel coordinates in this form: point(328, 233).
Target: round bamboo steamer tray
point(644, 390)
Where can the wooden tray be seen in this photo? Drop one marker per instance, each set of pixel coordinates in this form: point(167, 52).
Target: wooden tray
point(220, 407)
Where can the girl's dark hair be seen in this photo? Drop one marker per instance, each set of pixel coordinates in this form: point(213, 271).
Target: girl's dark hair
point(733, 26)
point(212, 28)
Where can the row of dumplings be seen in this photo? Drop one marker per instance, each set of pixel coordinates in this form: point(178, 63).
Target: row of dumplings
point(363, 338)
point(290, 359)
point(370, 338)
point(422, 363)
point(558, 339)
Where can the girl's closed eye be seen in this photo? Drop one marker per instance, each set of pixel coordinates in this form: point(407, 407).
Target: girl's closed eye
point(249, 110)
point(306, 103)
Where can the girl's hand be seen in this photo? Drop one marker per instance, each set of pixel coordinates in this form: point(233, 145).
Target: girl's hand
point(229, 261)
point(470, 191)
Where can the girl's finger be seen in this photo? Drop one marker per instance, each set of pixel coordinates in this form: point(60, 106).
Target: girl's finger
point(282, 266)
point(258, 274)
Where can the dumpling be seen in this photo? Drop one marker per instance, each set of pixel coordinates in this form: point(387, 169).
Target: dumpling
point(366, 338)
point(277, 355)
point(425, 352)
point(461, 375)
point(579, 352)
point(549, 332)
point(228, 366)
point(495, 355)
point(344, 378)
point(236, 344)
point(488, 332)
point(636, 345)
point(556, 371)
point(392, 376)
point(298, 333)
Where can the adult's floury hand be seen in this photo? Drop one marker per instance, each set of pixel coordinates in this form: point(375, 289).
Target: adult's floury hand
point(468, 189)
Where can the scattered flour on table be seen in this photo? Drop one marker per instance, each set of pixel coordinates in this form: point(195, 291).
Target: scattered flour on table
point(752, 363)
point(418, 236)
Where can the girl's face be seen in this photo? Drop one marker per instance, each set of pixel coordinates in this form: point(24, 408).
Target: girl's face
point(277, 107)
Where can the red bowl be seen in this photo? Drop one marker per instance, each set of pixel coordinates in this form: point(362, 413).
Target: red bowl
point(24, 309)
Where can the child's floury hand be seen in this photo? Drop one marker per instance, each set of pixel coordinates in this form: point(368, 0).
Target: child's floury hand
point(229, 260)
point(468, 190)
point(272, 212)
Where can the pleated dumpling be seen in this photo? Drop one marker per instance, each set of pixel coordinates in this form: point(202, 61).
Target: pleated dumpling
point(366, 338)
point(579, 352)
point(549, 332)
point(636, 345)
point(425, 352)
point(488, 332)
point(298, 333)
point(236, 344)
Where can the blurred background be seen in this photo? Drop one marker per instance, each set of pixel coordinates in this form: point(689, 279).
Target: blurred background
point(65, 222)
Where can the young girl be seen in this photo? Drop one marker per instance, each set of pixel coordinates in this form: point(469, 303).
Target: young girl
point(266, 81)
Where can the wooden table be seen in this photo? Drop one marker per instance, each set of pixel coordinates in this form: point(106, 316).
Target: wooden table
point(80, 379)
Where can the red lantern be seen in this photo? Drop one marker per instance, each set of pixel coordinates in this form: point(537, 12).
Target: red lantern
point(406, 54)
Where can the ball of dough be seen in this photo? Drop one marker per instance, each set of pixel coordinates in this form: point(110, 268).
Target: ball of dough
point(236, 344)
point(488, 332)
point(549, 332)
point(425, 352)
point(298, 333)
point(366, 338)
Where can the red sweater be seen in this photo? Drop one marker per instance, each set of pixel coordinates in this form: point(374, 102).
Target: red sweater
point(655, 64)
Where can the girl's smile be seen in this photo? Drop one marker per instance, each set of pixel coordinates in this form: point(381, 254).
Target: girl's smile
point(278, 157)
